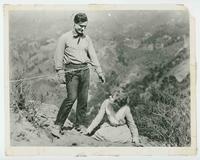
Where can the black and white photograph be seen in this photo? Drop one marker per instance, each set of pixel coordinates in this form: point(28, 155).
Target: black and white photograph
point(104, 77)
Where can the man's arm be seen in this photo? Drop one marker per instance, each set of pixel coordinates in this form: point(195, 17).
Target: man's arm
point(59, 54)
point(98, 117)
point(94, 60)
point(58, 57)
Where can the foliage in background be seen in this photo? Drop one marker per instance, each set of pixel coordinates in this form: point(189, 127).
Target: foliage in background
point(127, 51)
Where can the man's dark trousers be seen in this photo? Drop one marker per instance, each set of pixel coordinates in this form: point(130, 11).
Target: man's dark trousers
point(77, 85)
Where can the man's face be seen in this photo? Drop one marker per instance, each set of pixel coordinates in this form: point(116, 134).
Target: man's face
point(80, 27)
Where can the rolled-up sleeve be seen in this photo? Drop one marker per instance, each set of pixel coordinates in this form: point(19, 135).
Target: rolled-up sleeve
point(93, 57)
point(59, 53)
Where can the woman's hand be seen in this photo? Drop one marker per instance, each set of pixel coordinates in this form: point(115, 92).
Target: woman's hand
point(86, 132)
point(136, 142)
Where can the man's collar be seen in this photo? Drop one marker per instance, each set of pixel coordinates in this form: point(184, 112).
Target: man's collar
point(76, 35)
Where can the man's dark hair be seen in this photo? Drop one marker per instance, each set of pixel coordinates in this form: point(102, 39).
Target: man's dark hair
point(80, 17)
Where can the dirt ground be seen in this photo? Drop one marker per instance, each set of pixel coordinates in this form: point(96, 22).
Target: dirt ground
point(25, 133)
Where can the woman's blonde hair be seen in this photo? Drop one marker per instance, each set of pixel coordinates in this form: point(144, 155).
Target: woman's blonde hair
point(122, 96)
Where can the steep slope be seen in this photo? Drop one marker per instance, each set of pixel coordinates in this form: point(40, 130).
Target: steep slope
point(134, 55)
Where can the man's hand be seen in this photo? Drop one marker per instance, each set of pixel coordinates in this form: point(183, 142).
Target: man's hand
point(61, 76)
point(102, 77)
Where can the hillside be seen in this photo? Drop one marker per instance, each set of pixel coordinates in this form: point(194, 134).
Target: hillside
point(144, 52)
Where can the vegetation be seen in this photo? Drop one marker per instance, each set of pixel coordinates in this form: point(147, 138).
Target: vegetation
point(160, 103)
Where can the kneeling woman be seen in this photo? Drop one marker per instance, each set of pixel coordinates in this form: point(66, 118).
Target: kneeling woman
point(121, 127)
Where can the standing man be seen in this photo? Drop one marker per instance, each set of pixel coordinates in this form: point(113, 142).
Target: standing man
point(73, 54)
